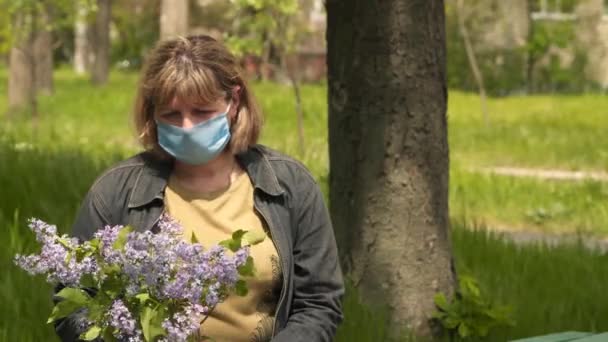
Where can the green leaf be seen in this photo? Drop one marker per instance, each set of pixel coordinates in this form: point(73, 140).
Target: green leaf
point(439, 315)
point(254, 237)
point(234, 244)
point(450, 323)
point(87, 280)
point(241, 288)
point(91, 334)
point(78, 296)
point(142, 297)
point(94, 243)
point(193, 238)
point(463, 331)
point(95, 312)
point(151, 320)
point(73, 299)
point(468, 287)
point(113, 284)
point(238, 235)
point(147, 314)
point(121, 240)
point(107, 335)
point(64, 242)
point(63, 309)
point(441, 302)
point(247, 269)
point(482, 330)
point(227, 244)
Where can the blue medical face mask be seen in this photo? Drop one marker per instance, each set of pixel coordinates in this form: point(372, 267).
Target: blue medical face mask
point(196, 145)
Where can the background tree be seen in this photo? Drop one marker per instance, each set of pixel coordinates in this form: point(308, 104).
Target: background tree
point(389, 153)
point(83, 56)
point(136, 25)
point(22, 76)
point(27, 30)
point(174, 18)
point(101, 43)
point(272, 29)
point(43, 51)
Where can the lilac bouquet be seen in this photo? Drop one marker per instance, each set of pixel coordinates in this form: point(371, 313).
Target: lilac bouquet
point(140, 286)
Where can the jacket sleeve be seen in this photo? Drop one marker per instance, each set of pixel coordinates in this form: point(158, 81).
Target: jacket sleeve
point(93, 215)
point(316, 310)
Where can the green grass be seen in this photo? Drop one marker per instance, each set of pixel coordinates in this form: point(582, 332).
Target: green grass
point(549, 289)
point(553, 131)
point(532, 204)
point(46, 169)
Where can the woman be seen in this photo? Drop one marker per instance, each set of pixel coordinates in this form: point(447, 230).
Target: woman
point(199, 125)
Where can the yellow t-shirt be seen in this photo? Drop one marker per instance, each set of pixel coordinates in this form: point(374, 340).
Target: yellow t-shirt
point(213, 217)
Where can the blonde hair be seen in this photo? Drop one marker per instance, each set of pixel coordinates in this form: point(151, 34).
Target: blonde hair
point(195, 69)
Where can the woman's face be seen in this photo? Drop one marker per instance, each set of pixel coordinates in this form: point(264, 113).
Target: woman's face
point(185, 115)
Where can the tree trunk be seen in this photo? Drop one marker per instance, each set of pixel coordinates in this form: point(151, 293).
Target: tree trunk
point(589, 38)
point(530, 56)
point(295, 86)
point(101, 46)
point(43, 55)
point(389, 153)
point(21, 78)
point(82, 33)
point(174, 18)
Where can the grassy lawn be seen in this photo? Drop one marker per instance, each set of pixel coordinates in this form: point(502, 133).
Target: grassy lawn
point(557, 131)
point(45, 171)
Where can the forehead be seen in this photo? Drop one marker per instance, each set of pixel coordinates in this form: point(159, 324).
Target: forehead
point(186, 87)
point(178, 102)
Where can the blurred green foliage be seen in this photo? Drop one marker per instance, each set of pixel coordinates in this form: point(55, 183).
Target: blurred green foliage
point(539, 66)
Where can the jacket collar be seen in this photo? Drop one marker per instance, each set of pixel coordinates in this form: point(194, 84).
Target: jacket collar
point(154, 175)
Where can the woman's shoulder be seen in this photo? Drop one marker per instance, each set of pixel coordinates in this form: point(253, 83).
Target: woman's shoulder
point(125, 173)
point(274, 156)
point(289, 172)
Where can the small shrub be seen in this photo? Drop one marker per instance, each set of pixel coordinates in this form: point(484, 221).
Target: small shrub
point(469, 315)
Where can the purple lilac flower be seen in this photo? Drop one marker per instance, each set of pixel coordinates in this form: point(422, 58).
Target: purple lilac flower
point(212, 297)
point(176, 289)
point(120, 318)
point(43, 230)
point(169, 225)
point(240, 257)
point(162, 264)
point(107, 236)
point(55, 260)
point(184, 323)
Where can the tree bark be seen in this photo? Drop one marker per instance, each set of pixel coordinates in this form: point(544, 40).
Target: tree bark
point(82, 33)
point(43, 54)
point(101, 46)
point(389, 153)
point(530, 56)
point(174, 18)
point(295, 86)
point(21, 78)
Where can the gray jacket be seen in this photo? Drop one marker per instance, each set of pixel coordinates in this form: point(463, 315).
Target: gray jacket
point(288, 199)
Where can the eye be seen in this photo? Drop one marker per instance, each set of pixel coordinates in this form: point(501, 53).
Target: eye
point(203, 112)
point(170, 115)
